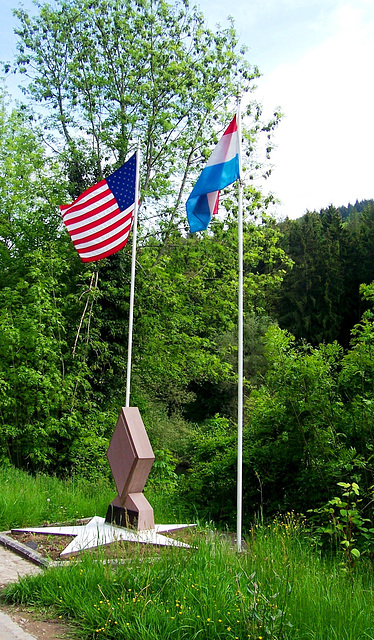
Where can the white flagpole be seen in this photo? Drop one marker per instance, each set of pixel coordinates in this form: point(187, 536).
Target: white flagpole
point(240, 341)
point(132, 284)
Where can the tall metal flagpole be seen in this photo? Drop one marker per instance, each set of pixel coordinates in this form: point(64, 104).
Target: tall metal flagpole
point(240, 339)
point(132, 285)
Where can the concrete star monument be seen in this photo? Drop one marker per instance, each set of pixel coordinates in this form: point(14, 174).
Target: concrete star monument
point(97, 533)
point(130, 516)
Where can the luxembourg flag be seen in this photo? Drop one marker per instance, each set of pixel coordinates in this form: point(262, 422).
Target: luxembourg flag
point(222, 169)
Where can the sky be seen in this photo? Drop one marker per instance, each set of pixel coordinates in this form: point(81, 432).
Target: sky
point(316, 58)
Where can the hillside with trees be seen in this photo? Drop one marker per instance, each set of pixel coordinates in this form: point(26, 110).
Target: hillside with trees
point(98, 83)
point(319, 299)
point(352, 210)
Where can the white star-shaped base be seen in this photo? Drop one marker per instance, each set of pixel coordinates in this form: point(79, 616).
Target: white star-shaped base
point(97, 532)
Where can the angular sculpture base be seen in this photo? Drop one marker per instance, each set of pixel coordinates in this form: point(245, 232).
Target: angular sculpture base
point(136, 513)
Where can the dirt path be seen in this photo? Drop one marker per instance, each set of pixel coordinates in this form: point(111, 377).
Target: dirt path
point(12, 566)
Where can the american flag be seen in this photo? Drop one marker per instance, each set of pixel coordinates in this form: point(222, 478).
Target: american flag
point(99, 220)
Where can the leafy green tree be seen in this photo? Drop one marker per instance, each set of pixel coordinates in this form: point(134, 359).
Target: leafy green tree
point(211, 479)
point(111, 73)
point(193, 286)
point(107, 74)
point(28, 187)
point(308, 426)
point(293, 422)
point(32, 325)
point(357, 388)
point(64, 324)
point(46, 399)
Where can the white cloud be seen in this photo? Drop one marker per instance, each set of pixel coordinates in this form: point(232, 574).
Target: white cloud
point(326, 139)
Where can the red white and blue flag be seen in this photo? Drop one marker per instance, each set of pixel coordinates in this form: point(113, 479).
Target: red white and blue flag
point(222, 169)
point(99, 220)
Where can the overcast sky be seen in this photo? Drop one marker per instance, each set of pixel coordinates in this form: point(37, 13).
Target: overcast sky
point(316, 58)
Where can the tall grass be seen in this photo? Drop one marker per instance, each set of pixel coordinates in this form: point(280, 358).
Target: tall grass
point(27, 500)
point(176, 593)
point(278, 589)
point(327, 600)
point(166, 504)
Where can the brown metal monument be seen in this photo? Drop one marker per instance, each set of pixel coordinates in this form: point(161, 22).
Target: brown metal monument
point(130, 457)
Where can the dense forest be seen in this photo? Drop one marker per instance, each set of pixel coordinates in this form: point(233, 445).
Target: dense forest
point(96, 84)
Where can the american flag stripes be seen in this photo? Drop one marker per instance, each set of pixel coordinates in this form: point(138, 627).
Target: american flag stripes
point(99, 220)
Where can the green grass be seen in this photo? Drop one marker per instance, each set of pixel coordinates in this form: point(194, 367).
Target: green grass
point(197, 593)
point(27, 500)
point(279, 588)
point(326, 601)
